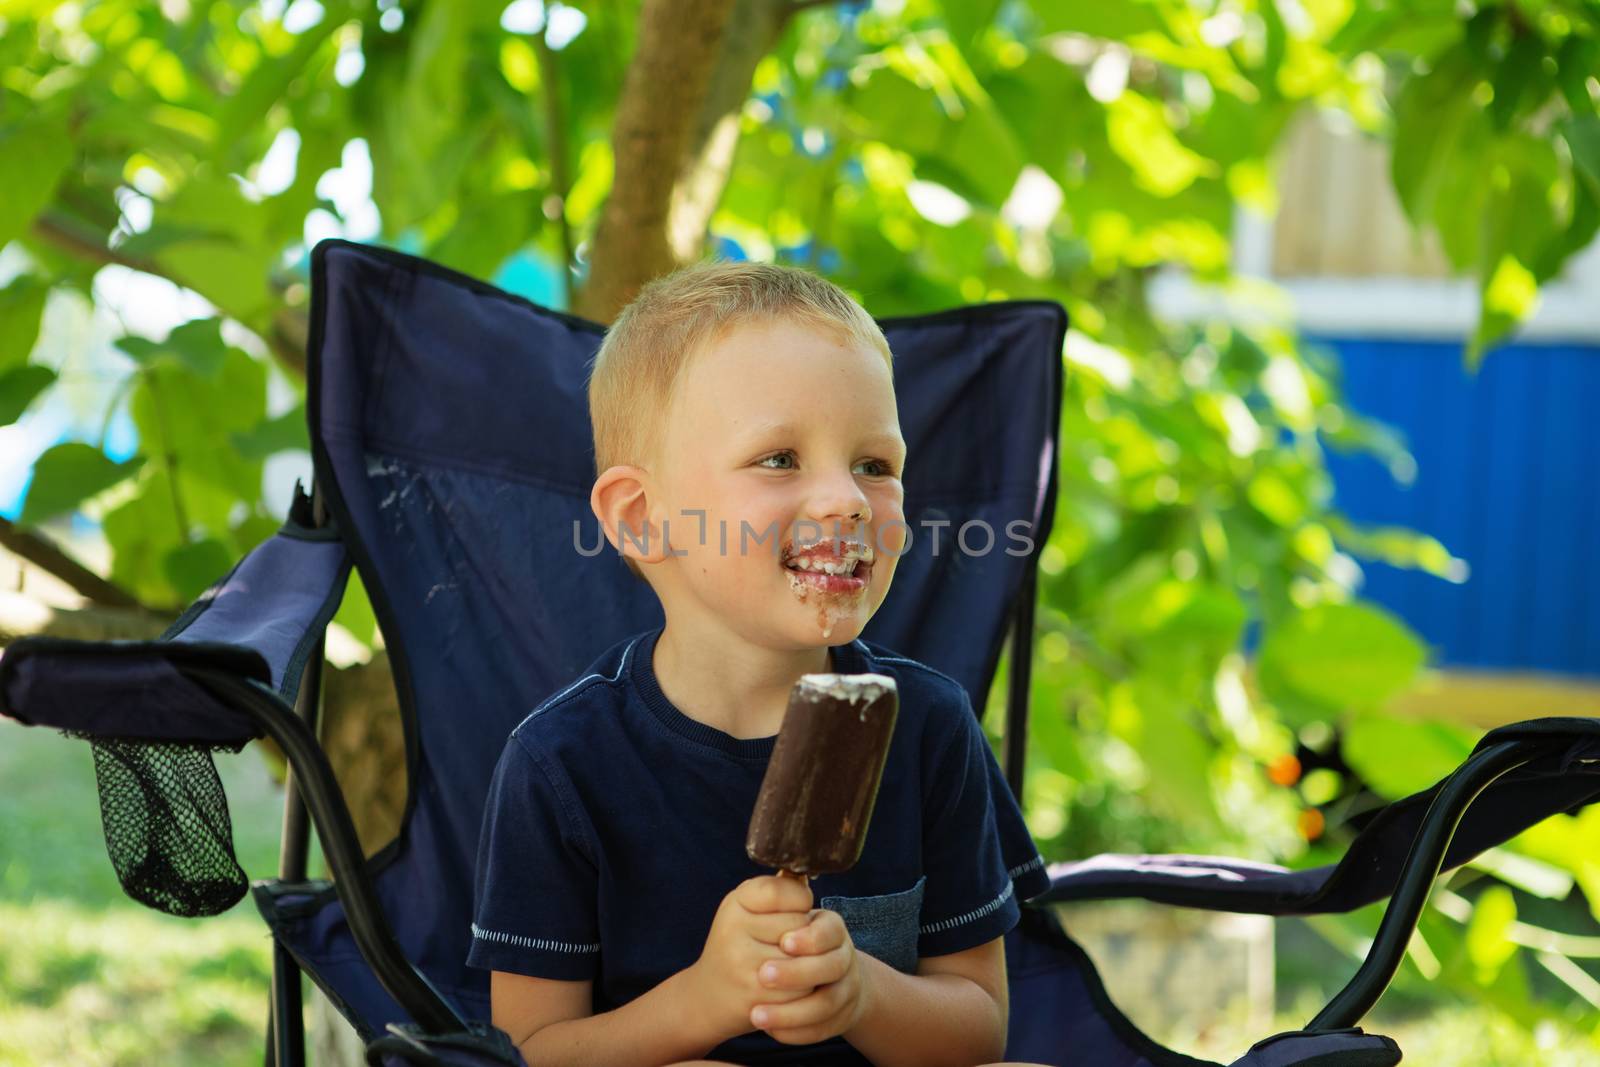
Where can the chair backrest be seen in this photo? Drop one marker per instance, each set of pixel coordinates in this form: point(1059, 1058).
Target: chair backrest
point(450, 433)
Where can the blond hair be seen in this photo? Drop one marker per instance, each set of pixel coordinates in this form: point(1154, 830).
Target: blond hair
point(637, 368)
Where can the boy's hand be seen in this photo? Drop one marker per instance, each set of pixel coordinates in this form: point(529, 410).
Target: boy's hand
point(822, 967)
point(744, 935)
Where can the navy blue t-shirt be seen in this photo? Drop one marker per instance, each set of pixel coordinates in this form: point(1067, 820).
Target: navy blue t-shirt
point(615, 825)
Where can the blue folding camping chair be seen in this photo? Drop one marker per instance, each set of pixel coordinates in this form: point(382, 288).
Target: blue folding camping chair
point(452, 462)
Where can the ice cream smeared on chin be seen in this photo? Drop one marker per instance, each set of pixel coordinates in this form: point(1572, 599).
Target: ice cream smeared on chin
point(837, 571)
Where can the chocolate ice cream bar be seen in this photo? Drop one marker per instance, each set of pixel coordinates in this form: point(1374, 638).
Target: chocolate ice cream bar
point(822, 780)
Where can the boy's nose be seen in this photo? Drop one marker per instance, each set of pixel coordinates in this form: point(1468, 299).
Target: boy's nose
point(845, 506)
point(839, 512)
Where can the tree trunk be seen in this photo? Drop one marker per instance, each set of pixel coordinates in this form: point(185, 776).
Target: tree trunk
point(676, 129)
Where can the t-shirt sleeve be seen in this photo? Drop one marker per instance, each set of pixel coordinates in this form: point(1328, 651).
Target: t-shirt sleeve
point(979, 859)
point(535, 888)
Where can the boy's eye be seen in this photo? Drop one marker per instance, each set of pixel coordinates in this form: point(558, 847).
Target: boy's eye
point(881, 467)
point(776, 455)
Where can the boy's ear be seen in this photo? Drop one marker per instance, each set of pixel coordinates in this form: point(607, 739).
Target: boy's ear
point(620, 500)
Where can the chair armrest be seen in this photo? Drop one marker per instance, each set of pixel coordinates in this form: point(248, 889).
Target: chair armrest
point(1562, 773)
point(260, 621)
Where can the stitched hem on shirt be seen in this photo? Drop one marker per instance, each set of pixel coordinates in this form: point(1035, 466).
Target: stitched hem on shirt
point(971, 916)
point(577, 687)
point(531, 942)
point(1036, 862)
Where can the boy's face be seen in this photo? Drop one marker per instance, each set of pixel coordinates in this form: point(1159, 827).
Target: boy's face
point(780, 427)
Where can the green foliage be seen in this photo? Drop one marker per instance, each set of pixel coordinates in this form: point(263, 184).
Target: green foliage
point(86, 975)
point(37, 152)
point(68, 474)
point(888, 147)
point(1493, 130)
point(1332, 658)
point(21, 307)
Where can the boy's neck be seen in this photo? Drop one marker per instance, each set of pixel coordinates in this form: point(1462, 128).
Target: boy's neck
point(742, 691)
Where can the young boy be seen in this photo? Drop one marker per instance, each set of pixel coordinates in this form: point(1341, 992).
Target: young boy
point(744, 417)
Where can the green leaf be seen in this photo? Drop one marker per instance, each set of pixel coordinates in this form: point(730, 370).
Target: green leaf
point(1520, 75)
point(1336, 657)
point(355, 612)
point(250, 531)
point(1277, 497)
point(36, 155)
point(1530, 875)
point(1045, 103)
point(967, 21)
point(1141, 134)
point(214, 205)
point(1572, 843)
point(183, 418)
point(924, 108)
point(1509, 296)
point(426, 131)
point(489, 228)
point(1521, 232)
point(1398, 547)
point(1430, 115)
point(197, 345)
point(231, 276)
point(1398, 756)
point(1175, 751)
point(141, 532)
point(1582, 134)
point(18, 387)
point(191, 568)
point(268, 83)
point(1489, 945)
point(1115, 22)
point(68, 474)
point(271, 436)
point(21, 311)
point(1574, 62)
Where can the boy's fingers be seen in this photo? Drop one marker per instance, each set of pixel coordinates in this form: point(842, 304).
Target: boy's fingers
point(811, 1033)
point(804, 972)
point(769, 928)
point(809, 1010)
point(768, 893)
point(825, 932)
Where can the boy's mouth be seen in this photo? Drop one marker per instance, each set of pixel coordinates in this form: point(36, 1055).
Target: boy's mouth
point(837, 574)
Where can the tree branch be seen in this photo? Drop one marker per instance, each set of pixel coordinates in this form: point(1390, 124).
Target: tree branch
point(23, 616)
point(44, 554)
point(555, 132)
point(63, 231)
point(797, 6)
point(69, 235)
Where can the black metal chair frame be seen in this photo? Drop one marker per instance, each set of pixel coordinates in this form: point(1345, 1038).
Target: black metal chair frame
point(312, 797)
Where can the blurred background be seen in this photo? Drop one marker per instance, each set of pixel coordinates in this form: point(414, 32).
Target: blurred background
point(1327, 467)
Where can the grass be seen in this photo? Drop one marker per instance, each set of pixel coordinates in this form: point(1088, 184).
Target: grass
point(1437, 1035)
point(92, 979)
point(113, 986)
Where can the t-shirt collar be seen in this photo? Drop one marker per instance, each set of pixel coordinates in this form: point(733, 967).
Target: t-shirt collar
point(847, 659)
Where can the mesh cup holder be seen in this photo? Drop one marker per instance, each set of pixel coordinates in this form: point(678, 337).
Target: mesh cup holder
point(166, 824)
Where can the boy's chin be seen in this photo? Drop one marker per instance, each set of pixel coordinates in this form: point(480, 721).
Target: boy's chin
point(808, 627)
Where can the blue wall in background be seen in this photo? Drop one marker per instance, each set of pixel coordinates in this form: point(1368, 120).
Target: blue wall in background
point(1507, 464)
